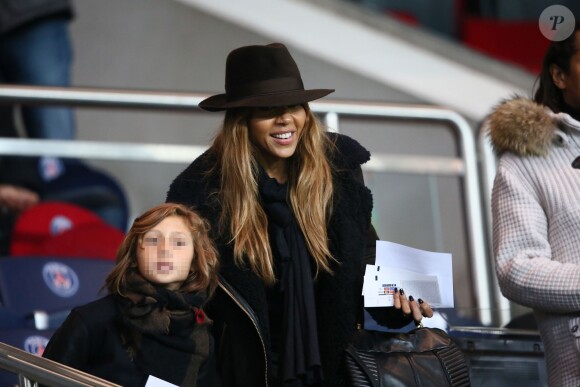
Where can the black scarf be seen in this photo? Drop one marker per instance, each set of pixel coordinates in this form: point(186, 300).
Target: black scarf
point(166, 333)
point(299, 357)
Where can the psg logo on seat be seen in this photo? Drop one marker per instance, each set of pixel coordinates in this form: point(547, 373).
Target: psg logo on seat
point(61, 279)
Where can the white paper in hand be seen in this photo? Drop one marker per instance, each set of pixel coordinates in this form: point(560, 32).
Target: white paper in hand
point(380, 284)
point(422, 274)
point(152, 381)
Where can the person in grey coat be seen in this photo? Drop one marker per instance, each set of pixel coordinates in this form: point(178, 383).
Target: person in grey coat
point(536, 206)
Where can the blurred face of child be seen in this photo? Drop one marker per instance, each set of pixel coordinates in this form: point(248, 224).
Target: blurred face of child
point(165, 253)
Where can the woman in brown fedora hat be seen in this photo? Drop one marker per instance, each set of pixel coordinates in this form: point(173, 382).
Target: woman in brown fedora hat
point(291, 217)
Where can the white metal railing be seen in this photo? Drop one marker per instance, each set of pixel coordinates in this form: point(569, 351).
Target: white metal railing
point(33, 370)
point(99, 97)
point(100, 150)
point(488, 171)
point(464, 166)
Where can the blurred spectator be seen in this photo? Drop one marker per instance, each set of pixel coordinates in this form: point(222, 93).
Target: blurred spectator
point(35, 49)
point(20, 189)
point(24, 181)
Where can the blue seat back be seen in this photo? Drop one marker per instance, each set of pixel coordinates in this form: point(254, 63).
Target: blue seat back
point(52, 285)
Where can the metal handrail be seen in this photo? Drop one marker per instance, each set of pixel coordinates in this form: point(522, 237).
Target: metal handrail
point(100, 150)
point(488, 172)
point(93, 97)
point(34, 369)
point(466, 166)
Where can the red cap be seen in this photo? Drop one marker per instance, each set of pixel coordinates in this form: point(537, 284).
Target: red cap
point(66, 230)
point(91, 241)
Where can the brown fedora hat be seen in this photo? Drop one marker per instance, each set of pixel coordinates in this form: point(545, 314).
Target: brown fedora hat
point(259, 76)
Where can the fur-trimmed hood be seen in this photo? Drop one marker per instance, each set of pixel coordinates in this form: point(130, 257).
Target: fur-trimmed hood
point(526, 128)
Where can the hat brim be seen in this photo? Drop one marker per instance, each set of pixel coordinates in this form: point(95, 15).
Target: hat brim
point(219, 102)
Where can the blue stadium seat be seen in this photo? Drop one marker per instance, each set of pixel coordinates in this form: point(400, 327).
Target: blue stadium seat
point(49, 284)
point(45, 288)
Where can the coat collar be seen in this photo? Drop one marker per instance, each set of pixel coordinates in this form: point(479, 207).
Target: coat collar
point(526, 128)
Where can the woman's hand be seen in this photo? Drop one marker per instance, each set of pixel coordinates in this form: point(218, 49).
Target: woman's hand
point(411, 307)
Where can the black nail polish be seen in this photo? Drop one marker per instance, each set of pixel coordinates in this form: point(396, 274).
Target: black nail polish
point(396, 290)
point(420, 301)
point(411, 298)
point(401, 292)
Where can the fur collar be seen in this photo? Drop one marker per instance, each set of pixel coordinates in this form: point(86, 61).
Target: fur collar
point(526, 128)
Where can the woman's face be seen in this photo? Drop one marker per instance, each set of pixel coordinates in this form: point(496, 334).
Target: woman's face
point(165, 253)
point(569, 82)
point(276, 131)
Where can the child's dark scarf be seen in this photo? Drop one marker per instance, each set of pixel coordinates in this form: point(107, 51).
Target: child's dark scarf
point(299, 357)
point(165, 332)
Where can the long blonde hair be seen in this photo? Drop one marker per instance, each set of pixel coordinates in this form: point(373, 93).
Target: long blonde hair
point(310, 192)
point(203, 271)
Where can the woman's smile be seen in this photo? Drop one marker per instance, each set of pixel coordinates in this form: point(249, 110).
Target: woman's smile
point(283, 138)
point(275, 132)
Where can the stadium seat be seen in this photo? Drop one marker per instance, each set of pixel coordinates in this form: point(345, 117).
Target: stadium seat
point(51, 285)
point(64, 230)
point(36, 295)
